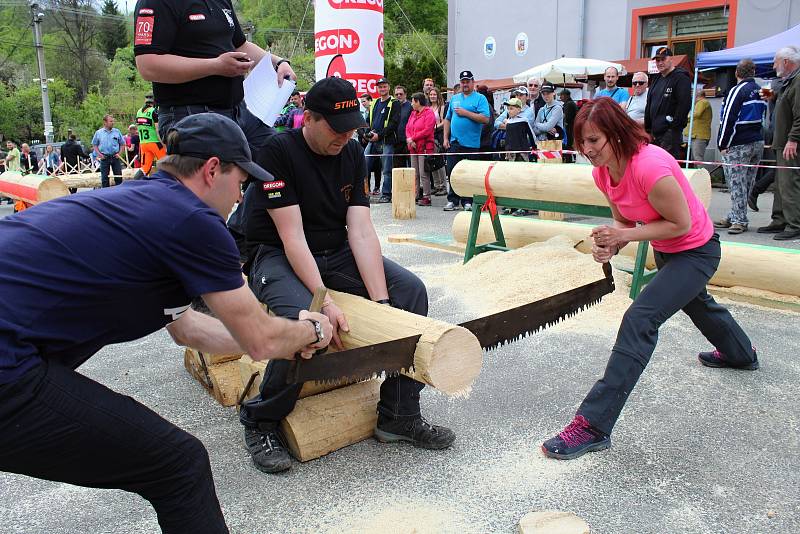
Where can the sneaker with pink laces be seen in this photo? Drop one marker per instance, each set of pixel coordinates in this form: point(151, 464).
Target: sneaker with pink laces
point(716, 358)
point(578, 438)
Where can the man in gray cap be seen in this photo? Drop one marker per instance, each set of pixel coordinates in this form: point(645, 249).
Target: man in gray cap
point(117, 264)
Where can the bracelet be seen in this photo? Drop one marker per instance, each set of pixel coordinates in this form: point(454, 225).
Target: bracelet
point(384, 301)
point(278, 64)
point(317, 330)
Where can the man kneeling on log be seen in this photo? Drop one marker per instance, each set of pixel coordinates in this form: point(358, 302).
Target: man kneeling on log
point(113, 265)
point(309, 227)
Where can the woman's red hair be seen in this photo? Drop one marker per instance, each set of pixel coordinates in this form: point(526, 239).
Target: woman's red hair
point(624, 134)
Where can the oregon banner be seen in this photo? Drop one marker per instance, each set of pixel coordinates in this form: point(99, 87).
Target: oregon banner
point(348, 41)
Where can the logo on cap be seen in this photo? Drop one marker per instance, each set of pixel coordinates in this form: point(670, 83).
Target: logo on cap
point(345, 104)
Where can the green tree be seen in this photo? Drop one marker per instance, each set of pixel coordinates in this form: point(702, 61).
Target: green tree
point(76, 23)
point(113, 30)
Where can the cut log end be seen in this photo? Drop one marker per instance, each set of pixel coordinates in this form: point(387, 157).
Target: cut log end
point(448, 355)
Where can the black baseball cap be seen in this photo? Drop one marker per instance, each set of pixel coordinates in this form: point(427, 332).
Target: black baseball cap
point(662, 52)
point(205, 135)
point(381, 80)
point(547, 87)
point(466, 75)
point(335, 99)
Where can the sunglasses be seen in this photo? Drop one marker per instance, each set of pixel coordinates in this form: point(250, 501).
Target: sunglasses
point(532, 85)
point(639, 83)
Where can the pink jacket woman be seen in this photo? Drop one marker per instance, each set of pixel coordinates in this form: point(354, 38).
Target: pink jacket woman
point(419, 129)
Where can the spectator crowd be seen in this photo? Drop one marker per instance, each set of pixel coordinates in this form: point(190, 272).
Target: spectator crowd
point(433, 128)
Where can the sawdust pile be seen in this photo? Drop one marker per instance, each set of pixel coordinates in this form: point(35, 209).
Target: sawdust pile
point(404, 518)
point(496, 281)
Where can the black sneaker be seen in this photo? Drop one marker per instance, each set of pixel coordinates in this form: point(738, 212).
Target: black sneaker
point(385, 200)
point(417, 431)
point(578, 438)
point(716, 359)
point(265, 446)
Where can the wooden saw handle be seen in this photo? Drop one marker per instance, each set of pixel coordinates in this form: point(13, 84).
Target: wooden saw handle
point(318, 300)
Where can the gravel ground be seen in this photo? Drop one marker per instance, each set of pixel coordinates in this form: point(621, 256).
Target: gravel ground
point(696, 450)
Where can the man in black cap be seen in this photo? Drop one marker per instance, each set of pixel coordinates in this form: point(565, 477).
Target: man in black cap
point(466, 114)
point(668, 103)
point(86, 283)
point(309, 227)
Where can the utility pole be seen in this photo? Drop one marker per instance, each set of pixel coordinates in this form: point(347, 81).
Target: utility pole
point(37, 43)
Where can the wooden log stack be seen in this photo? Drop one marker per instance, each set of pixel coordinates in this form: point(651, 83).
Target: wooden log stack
point(329, 417)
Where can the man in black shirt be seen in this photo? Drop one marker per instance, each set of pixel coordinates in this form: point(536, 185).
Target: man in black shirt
point(196, 55)
point(668, 101)
point(310, 227)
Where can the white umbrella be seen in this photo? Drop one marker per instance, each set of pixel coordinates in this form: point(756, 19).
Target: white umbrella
point(565, 69)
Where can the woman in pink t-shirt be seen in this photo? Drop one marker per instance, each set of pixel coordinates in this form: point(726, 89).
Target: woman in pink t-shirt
point(651, 200)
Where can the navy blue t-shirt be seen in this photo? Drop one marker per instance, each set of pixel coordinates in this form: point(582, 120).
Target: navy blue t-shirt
point(106, 266)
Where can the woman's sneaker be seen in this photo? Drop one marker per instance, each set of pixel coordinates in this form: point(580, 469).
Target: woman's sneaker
point(578, 438)
point(717, 359)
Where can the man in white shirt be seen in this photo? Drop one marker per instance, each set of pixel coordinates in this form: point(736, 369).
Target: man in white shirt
point(636, 104)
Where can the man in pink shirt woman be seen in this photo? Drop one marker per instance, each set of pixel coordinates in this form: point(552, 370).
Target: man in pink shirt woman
point(644, 184)
point(419, 137)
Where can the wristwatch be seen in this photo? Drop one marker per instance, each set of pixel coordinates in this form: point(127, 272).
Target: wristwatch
point(278, 64)
point(317, 330)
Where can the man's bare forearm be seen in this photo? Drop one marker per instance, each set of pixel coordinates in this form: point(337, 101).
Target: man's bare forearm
point(367, 253)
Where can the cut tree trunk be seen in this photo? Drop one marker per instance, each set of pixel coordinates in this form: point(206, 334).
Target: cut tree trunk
point(31, 188)
point(572, 184)
point(448, 357)
point(404, 193)
point(91, 179)
point(553, 146)
point(324, 423)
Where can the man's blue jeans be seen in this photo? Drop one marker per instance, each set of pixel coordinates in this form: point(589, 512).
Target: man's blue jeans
point(387, 154)
point(115, 165)
point(454, 157)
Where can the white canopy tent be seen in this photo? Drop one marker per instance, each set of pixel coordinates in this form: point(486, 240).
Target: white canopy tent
point(566, 69)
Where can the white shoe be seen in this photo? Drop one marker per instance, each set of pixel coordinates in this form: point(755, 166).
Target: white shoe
point(450, 207)
point(467, 207)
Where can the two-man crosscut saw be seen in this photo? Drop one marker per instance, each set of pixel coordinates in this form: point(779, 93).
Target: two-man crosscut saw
point(492, 331)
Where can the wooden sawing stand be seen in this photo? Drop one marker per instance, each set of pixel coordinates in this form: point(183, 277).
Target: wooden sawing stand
point(327, 418)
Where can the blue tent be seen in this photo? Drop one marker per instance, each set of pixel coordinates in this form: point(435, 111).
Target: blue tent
point(761, 52)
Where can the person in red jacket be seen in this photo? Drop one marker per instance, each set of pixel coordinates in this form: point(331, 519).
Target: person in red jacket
point(419, 137)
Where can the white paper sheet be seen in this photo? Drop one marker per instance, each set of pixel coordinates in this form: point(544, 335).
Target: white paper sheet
point(262, 95)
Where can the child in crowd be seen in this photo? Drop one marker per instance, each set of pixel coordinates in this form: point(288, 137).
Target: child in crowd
point(519, 137)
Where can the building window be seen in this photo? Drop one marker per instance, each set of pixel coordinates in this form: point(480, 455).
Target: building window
point(686, 33)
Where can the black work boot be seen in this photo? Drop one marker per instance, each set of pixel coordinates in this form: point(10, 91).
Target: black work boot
point(267, 449)
point(416, 431)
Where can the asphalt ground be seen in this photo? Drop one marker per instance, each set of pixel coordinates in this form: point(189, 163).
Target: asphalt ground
point(697, 450)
